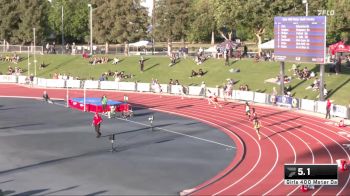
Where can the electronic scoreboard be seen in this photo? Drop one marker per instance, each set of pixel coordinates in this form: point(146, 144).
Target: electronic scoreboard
point(310, 174)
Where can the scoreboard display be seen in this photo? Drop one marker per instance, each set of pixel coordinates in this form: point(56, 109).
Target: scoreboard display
point(300, 39)
point(310, 174)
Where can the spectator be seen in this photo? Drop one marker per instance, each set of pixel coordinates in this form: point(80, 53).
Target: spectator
point(31, 79)
point(200, 73)
point(193, 74)
point(142, 64)
point(115, 61)
point(171, 82)
point(328, 109)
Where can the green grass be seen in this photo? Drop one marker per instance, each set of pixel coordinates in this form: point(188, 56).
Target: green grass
point(251, 73)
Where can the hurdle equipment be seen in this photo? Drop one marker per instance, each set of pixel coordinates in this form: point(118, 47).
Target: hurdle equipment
point(342, 164)
point(112, 139)
point(150, 119)
point(341, 123)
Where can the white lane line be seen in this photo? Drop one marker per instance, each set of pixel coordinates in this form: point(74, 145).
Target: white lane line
point(179, 133)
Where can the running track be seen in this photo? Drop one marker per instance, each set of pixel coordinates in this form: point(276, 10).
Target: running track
point(288, 137)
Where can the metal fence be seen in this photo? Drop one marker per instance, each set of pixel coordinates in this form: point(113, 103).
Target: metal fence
point(4, 48)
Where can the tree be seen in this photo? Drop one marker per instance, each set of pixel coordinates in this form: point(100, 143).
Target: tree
point(119, 21)
point(226, 16)
point(9, 19)
point(75, 19)
point(202, 21)
point(172, 17)
point(338, 26)
point(19, 19)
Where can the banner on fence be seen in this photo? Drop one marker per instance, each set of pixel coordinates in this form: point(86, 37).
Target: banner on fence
point(108, 85)
point(176, 89)
point(73, 83)
point(308, 105)
point(321, 107)
point(41, 82)
point(212, 91)
point(260, 97)
point(23, 80)
point(55, 83)
point(340, 111)
point(127, 86)
point(145, 87)
point(287, 101)
point(8, 78)
point(244, 95)
point(92, 84)
point(165, 88)
point(196, 90)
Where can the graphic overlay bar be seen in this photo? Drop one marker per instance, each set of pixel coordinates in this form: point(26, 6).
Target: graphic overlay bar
point(310, 174)
point(300, 39)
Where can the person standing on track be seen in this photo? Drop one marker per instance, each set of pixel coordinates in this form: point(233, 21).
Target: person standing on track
point(96, 122)
point(328, 109)
point(257, 125)
point(247, 109)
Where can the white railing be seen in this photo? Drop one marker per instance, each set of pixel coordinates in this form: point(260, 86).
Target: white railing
point(302, 104)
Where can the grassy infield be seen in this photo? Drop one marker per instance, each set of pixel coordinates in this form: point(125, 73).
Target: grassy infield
point(251, 73)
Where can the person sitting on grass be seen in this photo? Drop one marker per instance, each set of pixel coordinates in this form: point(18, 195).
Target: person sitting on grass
point(193, 74)
point(115, 61)
point(200, 73)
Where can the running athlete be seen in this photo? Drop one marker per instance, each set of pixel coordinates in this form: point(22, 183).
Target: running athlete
point(247, 109)
point(257, 126)
point(213, 99)
point(255, 115)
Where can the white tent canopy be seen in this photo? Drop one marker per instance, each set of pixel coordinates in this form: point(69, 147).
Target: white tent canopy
point(140, 43)
point(268, 45)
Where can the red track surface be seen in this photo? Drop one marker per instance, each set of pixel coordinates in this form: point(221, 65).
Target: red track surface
point(288, 137)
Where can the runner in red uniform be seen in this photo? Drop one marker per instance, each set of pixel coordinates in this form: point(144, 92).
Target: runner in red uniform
point(213, 99)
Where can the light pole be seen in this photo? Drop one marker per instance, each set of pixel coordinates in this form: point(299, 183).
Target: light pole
point(34, 53)
point(306, 7)
point(90, 6)
point(62, 31)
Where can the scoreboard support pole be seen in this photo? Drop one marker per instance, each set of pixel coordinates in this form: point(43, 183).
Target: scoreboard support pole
point(321, 82)
point(282, 78)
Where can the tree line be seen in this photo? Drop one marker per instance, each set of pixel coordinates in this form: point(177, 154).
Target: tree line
point(124, 21)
